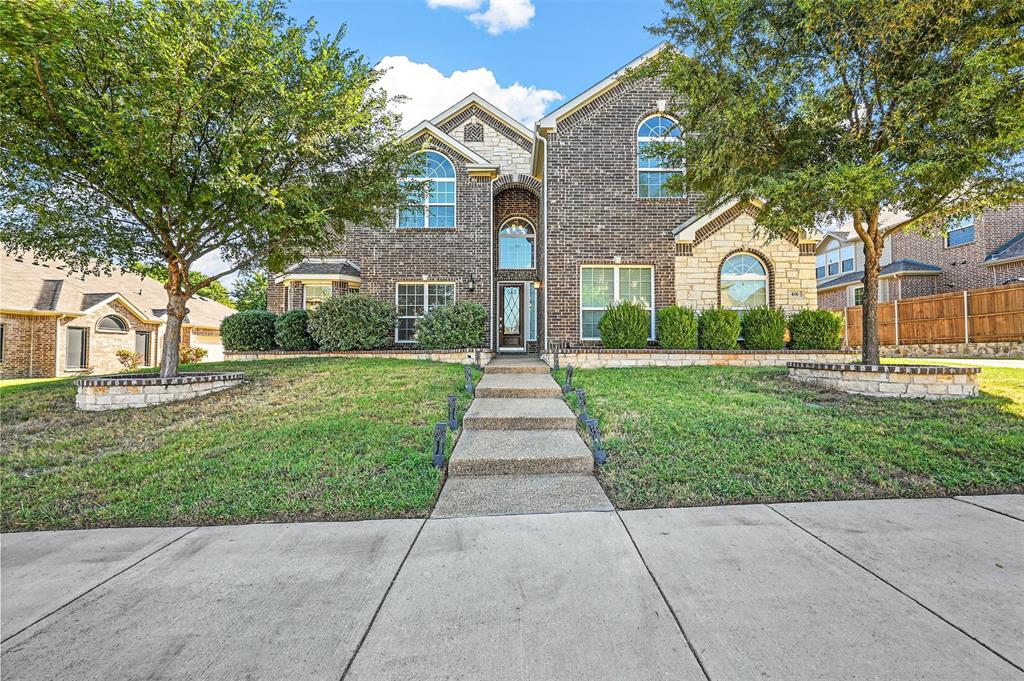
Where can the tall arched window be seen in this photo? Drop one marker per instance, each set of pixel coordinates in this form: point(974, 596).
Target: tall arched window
point(744, 282)
point(654, 171)
point(433, 204)
point(113, 324)
point(516, 245)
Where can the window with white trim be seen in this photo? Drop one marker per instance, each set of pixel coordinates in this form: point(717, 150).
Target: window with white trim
point(601, 286)
point(531, 324)
point(960, 234)
point(112, 324)
point(516, 245)
point(314, 294)
point(76, 344)
point(432, 203)
point(652, 171)
point(836, 258)
point(744, 282)
point(413, 300)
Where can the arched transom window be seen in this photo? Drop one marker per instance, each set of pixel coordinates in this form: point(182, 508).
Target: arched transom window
point(744, 282)
point(654, 171)
point(112, 323)
point(431, 204)
point(516, 245)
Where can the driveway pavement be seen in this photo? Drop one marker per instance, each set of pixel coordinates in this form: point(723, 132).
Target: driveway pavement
point(902, 589)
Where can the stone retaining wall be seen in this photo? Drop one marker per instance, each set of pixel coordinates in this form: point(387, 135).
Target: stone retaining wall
point(1004, 349)
point(928, 382)
point(603, 358)
point(131, 391)
point(455, 356)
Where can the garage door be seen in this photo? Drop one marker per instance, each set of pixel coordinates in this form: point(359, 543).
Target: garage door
point(212, 345)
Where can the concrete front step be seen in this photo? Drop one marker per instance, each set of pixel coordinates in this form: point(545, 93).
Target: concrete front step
point(471, 495)
point(518, 413)
point(522, 452)
point(517, 365)
point(517, 385)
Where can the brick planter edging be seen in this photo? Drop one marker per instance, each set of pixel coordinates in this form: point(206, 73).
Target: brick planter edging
point(451, 356)
point(605, 358)
point(927, 382)
point(133, 391)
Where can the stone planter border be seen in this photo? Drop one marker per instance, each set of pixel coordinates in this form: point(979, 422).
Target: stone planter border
point(132, 391)
point(591, 358)
point(889, 380)
point(451, 356)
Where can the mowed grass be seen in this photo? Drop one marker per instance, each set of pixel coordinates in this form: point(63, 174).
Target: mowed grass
point(720, 435)
point(303, 439)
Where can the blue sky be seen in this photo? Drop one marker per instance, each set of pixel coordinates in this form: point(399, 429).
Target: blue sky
point(546, 46)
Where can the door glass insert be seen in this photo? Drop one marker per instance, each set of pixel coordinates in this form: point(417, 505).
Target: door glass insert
point(512, 295)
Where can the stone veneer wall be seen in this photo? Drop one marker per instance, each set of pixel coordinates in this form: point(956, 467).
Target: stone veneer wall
point(791, 275)
point(454, 356)
point(604, 359)
point(1004, 349)
point(928, 382)
point(133, 391)
point(499, 144)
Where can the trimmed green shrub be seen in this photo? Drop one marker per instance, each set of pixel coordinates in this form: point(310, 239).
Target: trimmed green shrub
point(625, 325)
point(352, 322)
point(291, 332)
point(763, 328)
point(457, 325)
point(249, 330)
point(718, 329)
point(677, 328)
point(815, 330)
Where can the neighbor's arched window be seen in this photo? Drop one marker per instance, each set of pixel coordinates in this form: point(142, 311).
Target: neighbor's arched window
point(112, 323)
point(744, 282)
point(654, 171)
point(433, 203)
point(516, 245)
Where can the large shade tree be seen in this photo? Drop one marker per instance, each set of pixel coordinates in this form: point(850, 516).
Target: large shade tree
point(838, 112)
point(152, 133)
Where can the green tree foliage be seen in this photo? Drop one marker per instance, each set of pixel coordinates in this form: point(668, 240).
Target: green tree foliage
point(718, 329)
point(836, 112)
point(763, 328)
point(625, 325)
point(353, 322)
point(250, 292)
point(677, 328)
point(143, 131)
point(458, 325)
point(214, 290)
point(815, 330)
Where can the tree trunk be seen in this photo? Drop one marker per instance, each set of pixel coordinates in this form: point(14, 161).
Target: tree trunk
point(176, 298)
point(869, 345)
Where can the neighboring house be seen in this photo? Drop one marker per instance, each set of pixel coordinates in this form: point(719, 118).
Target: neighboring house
point(547, 228)
point(984, 251)
point(58, 322)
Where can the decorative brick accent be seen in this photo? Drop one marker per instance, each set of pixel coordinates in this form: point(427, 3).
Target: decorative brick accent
point(928, 382)
point(133, 391)
point(684, 248)
point(475, 112)
point(473, 132)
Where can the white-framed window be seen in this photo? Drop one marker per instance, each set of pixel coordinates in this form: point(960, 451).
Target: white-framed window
point(858, 295)
point(314, 294)
point(77, 347)
point(531, 324)
point(601, 286)
point(415, 299)
point(431, 205)
point(112, 324)
point(516, 245)
point(836, 258)
point(961, 233)
point(744, 282)
point(652, 171)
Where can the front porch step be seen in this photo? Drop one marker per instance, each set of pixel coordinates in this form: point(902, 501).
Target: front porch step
point(517, 365)
point(520, 452)
point(517, 413)
point(470, 495)
point(517, 385)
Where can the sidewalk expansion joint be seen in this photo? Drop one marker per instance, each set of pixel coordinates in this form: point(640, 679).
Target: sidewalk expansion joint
point(986, 508)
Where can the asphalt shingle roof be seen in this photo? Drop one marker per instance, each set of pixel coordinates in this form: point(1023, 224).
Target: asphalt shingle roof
point(895, 267)
point(1014, 248)
point(333, 267)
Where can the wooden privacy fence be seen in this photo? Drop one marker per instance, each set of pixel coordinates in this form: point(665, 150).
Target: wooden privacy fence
point(978, 316)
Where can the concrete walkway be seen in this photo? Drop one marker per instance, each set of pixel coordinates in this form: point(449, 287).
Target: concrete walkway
point(902, 589)
point(519, 451)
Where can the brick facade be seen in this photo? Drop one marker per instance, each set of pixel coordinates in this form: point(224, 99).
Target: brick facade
point(29, 346)
point(514, 201)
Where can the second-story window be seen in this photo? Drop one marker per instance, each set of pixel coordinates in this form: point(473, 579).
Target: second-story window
point(836, 258)
point(515, 245)
point(653, 171)
point(960, 233)
point(432, 203)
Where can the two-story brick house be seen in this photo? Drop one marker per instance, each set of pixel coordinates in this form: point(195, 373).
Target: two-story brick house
point(548, 227)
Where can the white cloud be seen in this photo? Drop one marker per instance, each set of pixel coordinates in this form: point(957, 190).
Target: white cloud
point(504, 15)
point(500, 15)
point(429, 92)
point(213, 263)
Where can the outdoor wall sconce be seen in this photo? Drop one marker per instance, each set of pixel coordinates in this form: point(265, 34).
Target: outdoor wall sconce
point(537, 285)
point(471, 284)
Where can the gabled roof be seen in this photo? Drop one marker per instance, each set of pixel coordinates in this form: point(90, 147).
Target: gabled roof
point(901, 266)
point(327, 269)
point(549, 123)
point(1009, 251)
point(473, 99)
point(691, 229)
point(477, 163)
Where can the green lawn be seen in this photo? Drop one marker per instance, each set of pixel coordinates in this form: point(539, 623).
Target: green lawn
point(303, 439)
point(716, 435)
